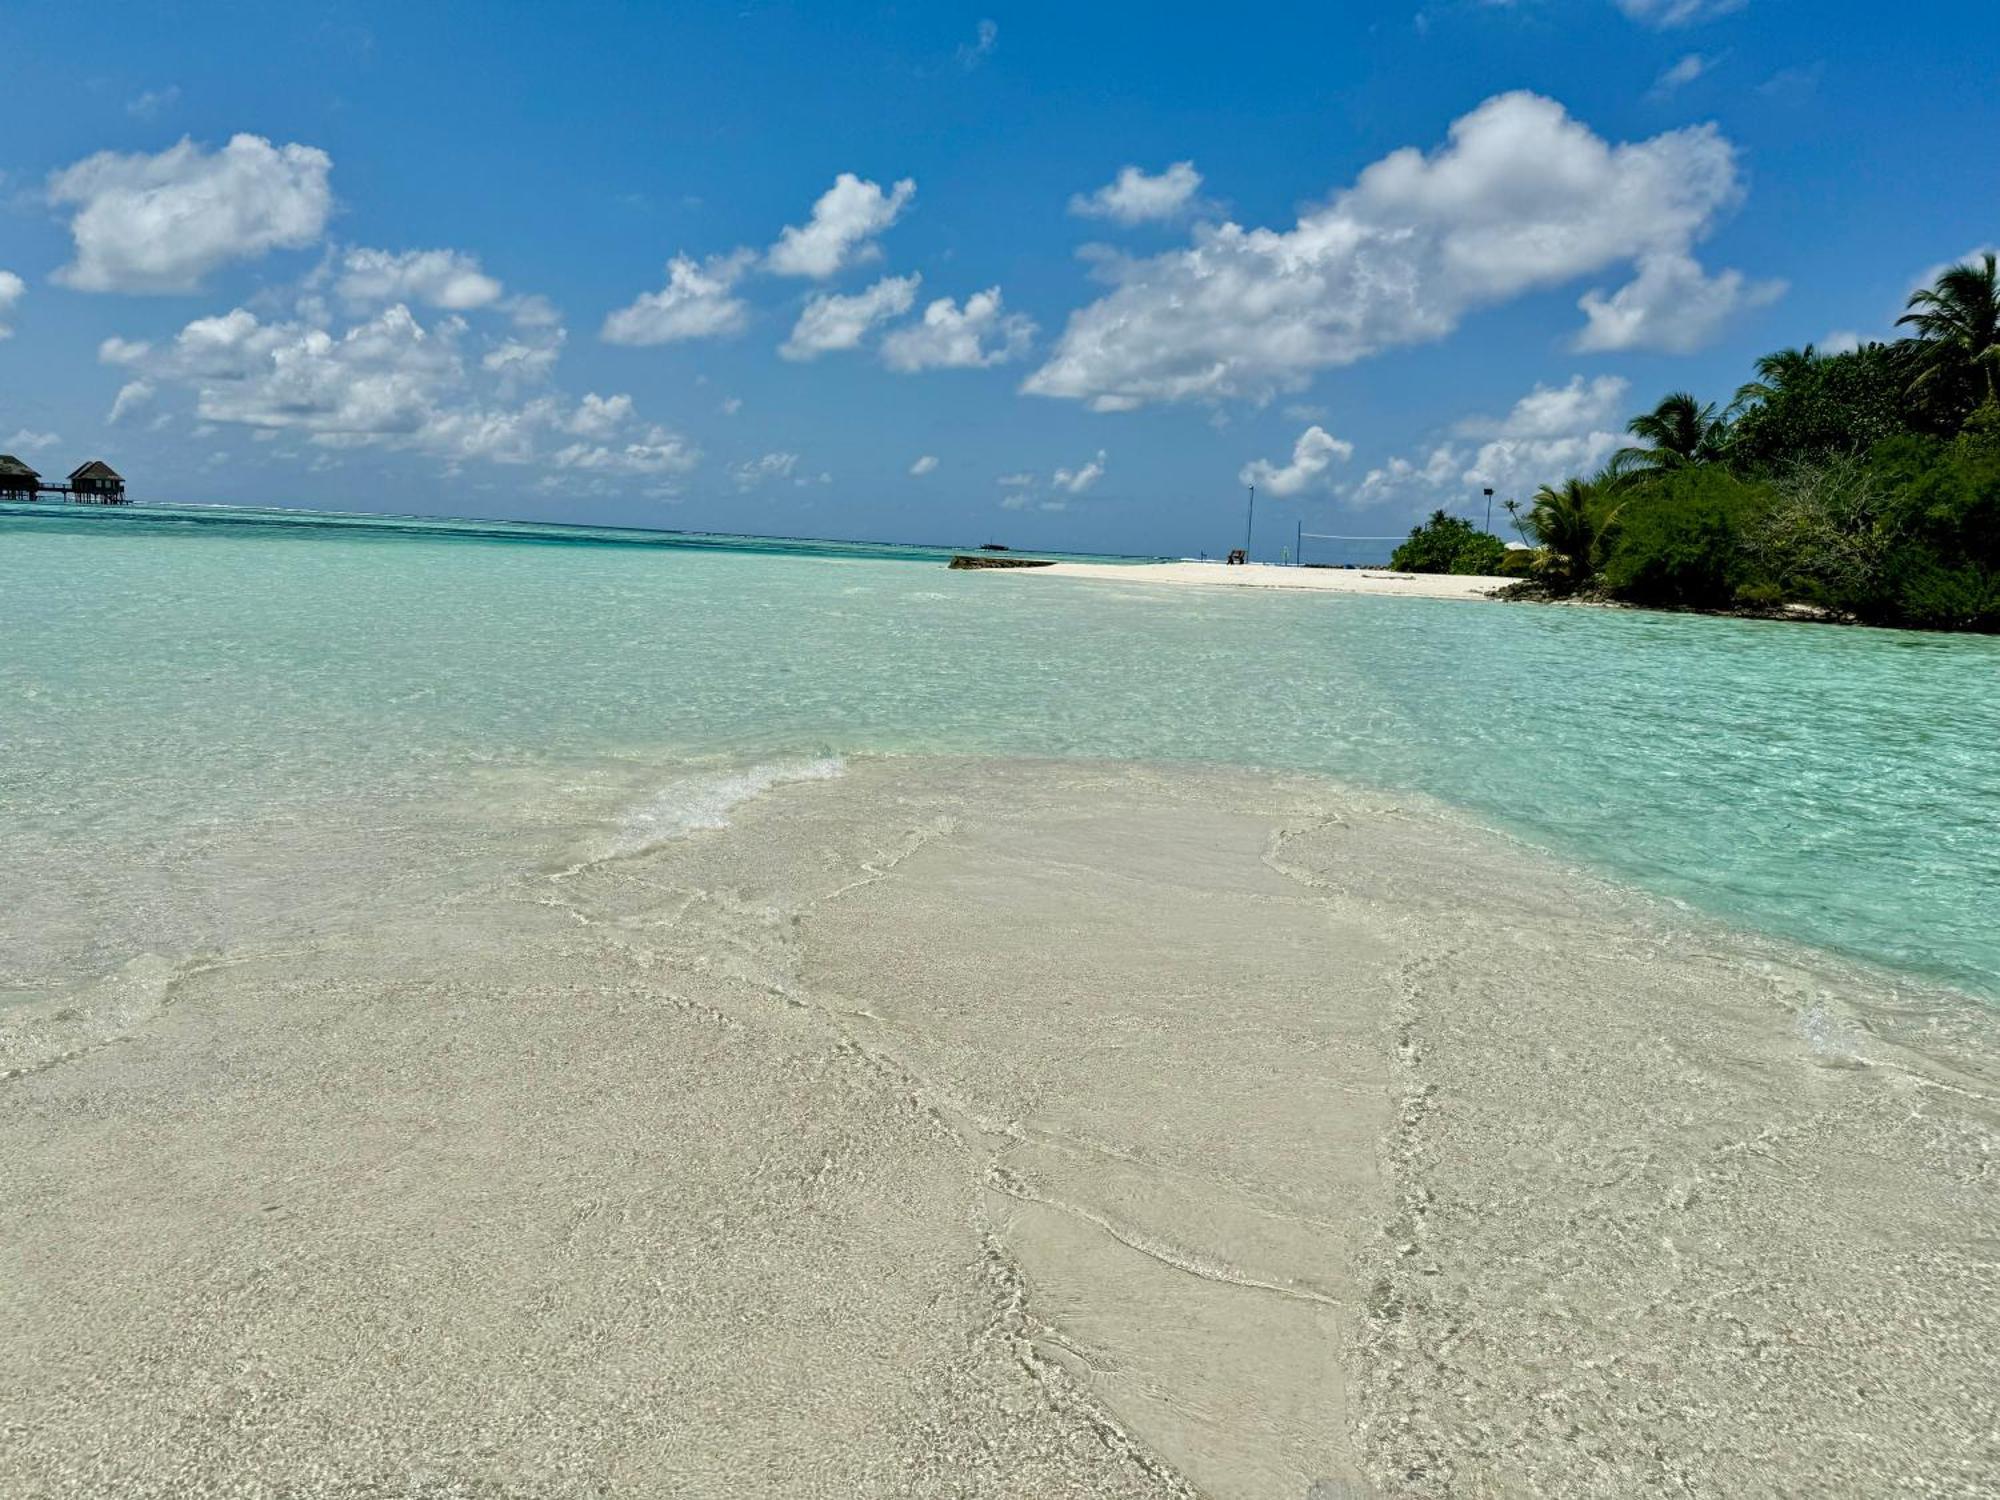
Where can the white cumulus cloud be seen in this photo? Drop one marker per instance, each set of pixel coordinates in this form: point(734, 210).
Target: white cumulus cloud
point(525, 361)
point(845, 220)
point(1521, 197)
point(1407, 481)
point(599, 416)
point(450, 279)
point(924, 465)
point(1556, 410)
point(1076, 481)
point(1670, 305)
point(132, 395)
point(660, 453)
point(952, 337)
point(698, 302)
point(117, 351)
point(391, 380)
point(754, 472)
point(1133, 197)
point(380, 377)
point(12, 290)
point(1548, 435)
point(161, 223)
point(1551, 433)
point(27, 441)
point(831, 322)
point(1312, 455)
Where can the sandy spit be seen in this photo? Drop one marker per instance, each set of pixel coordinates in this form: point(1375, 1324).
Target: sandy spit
point(1008, 1128)
point(1271, 576)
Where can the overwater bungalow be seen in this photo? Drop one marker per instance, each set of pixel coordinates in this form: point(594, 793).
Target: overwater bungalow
point(17, 480)
point(97, 483)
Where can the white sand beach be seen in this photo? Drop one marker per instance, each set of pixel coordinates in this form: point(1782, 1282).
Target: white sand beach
point(1271, 576)
point(1004, 1128)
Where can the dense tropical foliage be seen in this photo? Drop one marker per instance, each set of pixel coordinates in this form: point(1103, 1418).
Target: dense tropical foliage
point(1450, 544)
point(1864, 485)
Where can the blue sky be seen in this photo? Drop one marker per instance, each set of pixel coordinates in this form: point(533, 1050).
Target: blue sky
point(1060, 275)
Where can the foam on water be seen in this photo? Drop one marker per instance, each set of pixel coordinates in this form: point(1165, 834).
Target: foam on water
point(693, 803)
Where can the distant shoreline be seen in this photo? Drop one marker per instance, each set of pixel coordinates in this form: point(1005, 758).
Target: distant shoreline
point(1382, 582)
point(1379, 581)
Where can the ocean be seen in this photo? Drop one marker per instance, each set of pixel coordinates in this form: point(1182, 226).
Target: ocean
point(224, 722)
point(506, 1010)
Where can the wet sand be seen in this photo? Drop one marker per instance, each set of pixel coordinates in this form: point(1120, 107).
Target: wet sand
point(1271, 576)
point(953, 1127)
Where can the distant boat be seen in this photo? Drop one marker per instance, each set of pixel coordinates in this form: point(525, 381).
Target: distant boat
point(992, 546)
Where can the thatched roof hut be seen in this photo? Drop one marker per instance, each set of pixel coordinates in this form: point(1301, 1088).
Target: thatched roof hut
point(16, 478)
point(97, 480)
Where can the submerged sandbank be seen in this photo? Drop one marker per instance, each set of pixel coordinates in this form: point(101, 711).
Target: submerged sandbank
point(1271, 576)
point(1005, 1128)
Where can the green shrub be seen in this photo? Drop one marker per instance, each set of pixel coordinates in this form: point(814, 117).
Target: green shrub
point(1982, 429)
point(1932, 597)
point(1823, 537)
point(1942, 523)
point(1680, 540)
point(1449, 544)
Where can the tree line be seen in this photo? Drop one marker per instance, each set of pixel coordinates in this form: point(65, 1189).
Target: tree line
point(1864, 485)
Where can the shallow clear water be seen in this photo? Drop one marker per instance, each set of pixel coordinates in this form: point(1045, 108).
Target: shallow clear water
point(170, 681)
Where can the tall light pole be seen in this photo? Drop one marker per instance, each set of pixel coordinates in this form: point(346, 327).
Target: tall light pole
point(1250, 523)
point(1489, 510)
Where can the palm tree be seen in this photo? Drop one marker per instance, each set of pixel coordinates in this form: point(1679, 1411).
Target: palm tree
point(1570, 523)
point(1777, 374)
point(1959, 317)
point(1680, 432)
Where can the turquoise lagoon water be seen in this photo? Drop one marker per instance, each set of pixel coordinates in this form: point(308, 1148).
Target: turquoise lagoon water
point(169, 677)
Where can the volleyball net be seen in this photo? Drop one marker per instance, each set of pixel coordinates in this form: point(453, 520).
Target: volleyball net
point(1338, 549)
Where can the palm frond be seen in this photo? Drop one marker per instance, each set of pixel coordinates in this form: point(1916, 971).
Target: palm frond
point(1959, 315)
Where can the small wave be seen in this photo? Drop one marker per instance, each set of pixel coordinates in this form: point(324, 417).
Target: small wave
point(691, 804)
point(36, 1034)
